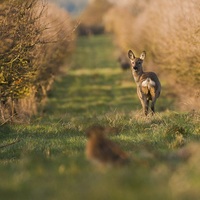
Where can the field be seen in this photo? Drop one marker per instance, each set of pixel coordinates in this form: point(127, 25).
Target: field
point(46, 158)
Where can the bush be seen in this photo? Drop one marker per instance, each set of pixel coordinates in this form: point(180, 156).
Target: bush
point(92, 18)
point(34, 44)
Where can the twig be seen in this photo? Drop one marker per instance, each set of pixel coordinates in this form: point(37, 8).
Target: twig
point(6, 145)
point(7, 120)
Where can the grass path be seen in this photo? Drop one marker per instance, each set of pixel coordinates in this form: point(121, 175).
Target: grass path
point(48, 161)
point(96, 84)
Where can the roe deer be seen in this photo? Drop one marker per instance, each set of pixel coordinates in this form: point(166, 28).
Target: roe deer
point(148, 84)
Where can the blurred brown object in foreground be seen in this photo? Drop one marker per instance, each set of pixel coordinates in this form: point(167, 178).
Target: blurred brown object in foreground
point(102, 151)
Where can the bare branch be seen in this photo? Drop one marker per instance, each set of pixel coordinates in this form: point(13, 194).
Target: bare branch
point(10, 144)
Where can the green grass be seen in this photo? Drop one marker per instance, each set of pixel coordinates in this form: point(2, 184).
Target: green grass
point(48, 161)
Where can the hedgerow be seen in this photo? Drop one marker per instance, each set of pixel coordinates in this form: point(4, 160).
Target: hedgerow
point(34, 44)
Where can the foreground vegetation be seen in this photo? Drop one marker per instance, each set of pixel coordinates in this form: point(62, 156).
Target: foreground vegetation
point(46, 157)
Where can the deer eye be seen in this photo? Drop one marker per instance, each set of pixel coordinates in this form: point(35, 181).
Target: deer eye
point(139, 62)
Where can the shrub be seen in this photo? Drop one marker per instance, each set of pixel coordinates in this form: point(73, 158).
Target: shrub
point(92, 18)
point(33, 47)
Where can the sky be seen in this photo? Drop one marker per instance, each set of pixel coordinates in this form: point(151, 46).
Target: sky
point(75, 7)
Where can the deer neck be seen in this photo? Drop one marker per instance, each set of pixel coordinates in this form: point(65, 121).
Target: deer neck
point(137, 75)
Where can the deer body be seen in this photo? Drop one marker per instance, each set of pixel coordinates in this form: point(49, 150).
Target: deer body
point(148, 84)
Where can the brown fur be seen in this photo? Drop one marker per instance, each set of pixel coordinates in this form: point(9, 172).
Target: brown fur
point(101, 150)
point(148, 84)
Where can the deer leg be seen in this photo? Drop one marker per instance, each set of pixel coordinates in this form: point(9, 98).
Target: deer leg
point(145, 105)
point(154, 96)
point(153, 105)
point(144, 101)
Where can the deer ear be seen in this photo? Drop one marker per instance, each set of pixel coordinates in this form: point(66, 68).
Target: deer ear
point(143, 55)
point(131, 55)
